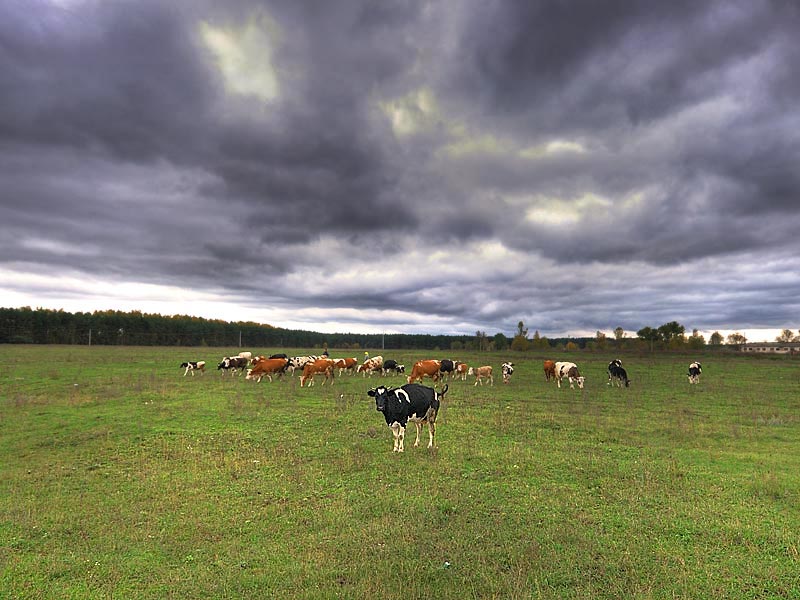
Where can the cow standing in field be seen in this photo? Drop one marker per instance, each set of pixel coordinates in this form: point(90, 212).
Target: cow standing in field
point(410, 402)
point(234, 364)
point(299, 362)
point(370, 365)
point(549, 370)
point(447, 368)
point(199, 365)
point(482, 373)
point(618, 375)
point(267, 367)
point(507, 369)
point(614, 363)
point(346, 364)
point(425, 368)
point(391, 366)
point(570, 371)
point(694, 372)
point(321, 365)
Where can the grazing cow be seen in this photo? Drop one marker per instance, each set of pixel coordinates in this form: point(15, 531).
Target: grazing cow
point(247, 355)
point(346, 364)
point(298, 362)
point(267, 367)
point(508, 369)
point(447, 368)
point(614, 363)
point(570, 371)
point(321, 365)
point(199, 365)
point(482, 373)
point(281, 355)
point(618, 375)
point(234, 364)
point(424, 368)
point(410, 402)
point(694, 372)
point(461, 370)
point(549, 370)
point(392, 366)
point(371, 365)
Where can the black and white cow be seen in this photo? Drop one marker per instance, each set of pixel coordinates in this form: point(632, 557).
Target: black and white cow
point(618, 375)
point(447, 368)
point(694, 372)
point(570, 371)
point(299, 362)
point(507, 369)
point(410, 402)
point(194, 365)
point(614, 363)
point(391, 366)
point(234, 364)
point(280, 355)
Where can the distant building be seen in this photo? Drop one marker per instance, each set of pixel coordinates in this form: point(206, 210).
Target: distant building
point(771, 347)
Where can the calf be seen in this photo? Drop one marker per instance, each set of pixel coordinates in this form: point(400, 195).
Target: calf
point(461, 370)
point(424, 368)
point(267, 367)
point(321, 365)
point(618, 375)
point(392, 366)
point(193, 366)
point(549, 370)
point(410, 402)
point(570, 371)
point(508, 369)
point(482, 373)
point(694, 372)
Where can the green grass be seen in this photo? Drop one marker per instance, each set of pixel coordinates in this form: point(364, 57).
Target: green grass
point(121, 478)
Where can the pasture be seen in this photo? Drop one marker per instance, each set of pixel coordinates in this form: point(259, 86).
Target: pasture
point(120, 477)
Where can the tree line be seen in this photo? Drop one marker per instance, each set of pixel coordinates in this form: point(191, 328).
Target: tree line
point(45, 326)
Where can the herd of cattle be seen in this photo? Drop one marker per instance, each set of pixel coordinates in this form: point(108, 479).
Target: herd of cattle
point(412, 401)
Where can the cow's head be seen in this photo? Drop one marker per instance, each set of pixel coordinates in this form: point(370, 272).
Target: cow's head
point(580, 381)
point(226, 363)
point(381, 395)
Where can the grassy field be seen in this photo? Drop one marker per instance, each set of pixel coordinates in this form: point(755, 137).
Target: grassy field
point(121, 478)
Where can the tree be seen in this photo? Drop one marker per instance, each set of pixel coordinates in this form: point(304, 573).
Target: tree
point(786, 336)
point(500, 341)
point(697, 341)
point(649, 334)
point(716, 339)
point(521, 329)
point(481, 337)
point(619, 333)
point(736, 338)
point(520, 343)
point(602, 342)
point(670, 331)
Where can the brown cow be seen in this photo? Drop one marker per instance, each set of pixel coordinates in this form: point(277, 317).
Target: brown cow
point(549, 370)
point(461, 370)
point(321, 365)
point(267, 367)
point(482, 373)
point(425, 368)
point(345, 364)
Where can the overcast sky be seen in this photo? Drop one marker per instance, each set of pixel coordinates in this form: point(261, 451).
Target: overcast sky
point(439, 166)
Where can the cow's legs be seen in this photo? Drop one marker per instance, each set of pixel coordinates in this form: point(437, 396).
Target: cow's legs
point(431, 433)
point(419, 427)
point(399, 434)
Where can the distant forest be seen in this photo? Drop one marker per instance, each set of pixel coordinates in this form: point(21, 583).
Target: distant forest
point(45, 326)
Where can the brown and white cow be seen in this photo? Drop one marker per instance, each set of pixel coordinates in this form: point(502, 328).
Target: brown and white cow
point(321, 365)
point(345, 364)
point(267, 367)
point(570, 371)
point(549, 370)
point(425, 368)
point(461, 370)
point(369, 366)
point(482, 373)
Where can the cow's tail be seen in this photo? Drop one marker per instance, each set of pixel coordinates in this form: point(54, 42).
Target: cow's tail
point(440, 396)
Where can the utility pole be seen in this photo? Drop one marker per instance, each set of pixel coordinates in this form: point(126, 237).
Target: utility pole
point(90, 336)
point(240, 338)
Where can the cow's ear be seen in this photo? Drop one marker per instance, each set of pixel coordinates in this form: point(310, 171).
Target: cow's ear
point(371, 393)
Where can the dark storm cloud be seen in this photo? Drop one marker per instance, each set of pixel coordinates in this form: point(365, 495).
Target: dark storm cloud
point(423, 165)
